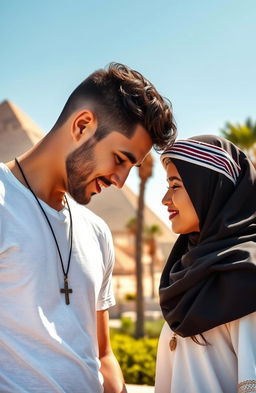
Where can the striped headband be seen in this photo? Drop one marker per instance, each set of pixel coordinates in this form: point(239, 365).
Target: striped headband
point(204, 154)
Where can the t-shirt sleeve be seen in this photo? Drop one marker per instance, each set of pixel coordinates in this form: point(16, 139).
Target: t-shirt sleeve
point(243, 336)
point(106, 297)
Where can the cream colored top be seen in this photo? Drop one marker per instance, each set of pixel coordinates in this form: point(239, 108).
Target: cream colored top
point(227, 365)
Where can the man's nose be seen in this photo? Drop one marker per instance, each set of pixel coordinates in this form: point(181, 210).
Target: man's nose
point(118, 179)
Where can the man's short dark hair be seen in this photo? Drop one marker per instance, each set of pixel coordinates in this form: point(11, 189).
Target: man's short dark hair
point(122, 98)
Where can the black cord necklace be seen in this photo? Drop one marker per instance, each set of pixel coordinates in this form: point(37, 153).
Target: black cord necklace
point(66, 290)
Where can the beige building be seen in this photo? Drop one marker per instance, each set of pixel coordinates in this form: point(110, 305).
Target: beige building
point(18, 133)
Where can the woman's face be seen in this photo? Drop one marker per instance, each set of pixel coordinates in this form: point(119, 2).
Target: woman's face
point(182, 212)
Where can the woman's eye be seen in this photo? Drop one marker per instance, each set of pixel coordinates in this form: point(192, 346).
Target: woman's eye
point(174, 187)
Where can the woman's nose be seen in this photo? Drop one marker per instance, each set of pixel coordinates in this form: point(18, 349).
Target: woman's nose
point(167, 199)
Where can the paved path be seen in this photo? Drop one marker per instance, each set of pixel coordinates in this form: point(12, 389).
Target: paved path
point(139, 389)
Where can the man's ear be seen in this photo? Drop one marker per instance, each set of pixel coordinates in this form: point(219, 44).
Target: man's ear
point(83, 125)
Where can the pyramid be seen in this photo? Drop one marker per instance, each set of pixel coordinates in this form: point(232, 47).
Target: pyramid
point(18, 132)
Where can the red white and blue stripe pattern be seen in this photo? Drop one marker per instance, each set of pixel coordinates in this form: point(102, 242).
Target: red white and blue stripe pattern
point(204, 154)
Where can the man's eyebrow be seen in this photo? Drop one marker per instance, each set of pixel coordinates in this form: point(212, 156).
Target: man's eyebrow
point(171, 178)
point(131, 157)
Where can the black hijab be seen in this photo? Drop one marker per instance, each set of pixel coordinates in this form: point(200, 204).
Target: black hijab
point(210, 277)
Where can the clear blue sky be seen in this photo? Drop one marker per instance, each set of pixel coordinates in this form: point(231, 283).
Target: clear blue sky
point(199, 54)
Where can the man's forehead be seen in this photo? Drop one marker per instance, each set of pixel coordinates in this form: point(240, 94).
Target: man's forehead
point(139, 142)
point(142, 141)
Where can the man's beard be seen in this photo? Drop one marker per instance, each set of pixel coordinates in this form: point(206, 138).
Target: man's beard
point(79, 166)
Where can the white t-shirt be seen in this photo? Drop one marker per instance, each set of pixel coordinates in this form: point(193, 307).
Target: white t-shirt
point(47, 346)
point(227, 365)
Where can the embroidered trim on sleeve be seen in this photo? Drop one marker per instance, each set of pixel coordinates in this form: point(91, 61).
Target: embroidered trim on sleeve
point(248, 386)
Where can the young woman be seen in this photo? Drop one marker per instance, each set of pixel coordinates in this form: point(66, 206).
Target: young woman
point(208, 286)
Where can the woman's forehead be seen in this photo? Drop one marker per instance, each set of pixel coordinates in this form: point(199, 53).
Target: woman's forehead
point(172, 172)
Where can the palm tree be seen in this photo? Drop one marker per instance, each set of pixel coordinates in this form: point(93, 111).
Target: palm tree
point(151, 232)
point(131, 225)
point(242, 135)
point(145, 172)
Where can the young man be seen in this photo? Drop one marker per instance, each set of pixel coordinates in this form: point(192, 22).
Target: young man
point(56, 257)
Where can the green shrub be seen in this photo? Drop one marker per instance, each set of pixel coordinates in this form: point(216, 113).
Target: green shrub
point(127, 326)
point(152, 328)
point(137, 358)
point(130, 296)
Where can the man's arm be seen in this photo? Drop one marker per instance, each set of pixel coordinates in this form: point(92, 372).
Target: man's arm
point(110, 369)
